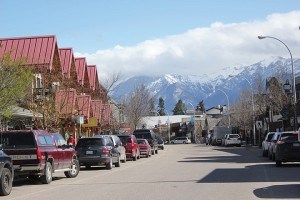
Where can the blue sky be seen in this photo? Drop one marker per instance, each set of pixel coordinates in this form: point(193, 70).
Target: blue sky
point(133, 35)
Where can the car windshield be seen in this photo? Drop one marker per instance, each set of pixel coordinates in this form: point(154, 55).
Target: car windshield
point(125, 139)
point(143, 135)
point(289, 137)
point(234, 136)
point(17, 140)
point(90, 142)
point(141, 141)
point(270, 136)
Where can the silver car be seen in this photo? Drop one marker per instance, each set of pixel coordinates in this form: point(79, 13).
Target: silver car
point(181, 140)
point(266, 144)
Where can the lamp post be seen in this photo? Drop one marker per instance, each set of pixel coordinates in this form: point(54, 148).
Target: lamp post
point(227, 106)
point(252, 102)
point(293, 74)
point(194, 135)
point(168, 127)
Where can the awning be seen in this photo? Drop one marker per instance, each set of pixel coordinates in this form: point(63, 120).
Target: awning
point(22, 112)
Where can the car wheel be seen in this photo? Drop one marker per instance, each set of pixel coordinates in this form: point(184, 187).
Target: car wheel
point(273, 157)
point(139, 156)
point(118, 164)
point(278, 163)
point(163, 148)
point(156, 151)
point(134, 157)
point(184, 142)
point(109, 165)
point(74, 169)
point(6, 182)
point(47, 177)
point(125, 159)
point(152, 152)
point(172, 142)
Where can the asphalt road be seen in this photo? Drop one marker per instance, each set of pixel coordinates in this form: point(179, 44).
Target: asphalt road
point(180, 172)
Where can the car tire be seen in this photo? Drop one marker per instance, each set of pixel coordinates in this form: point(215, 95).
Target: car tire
point(74, 169)
point(172, 142)
point(139, 156)
point(109, 165)
point(118, 163)
point(156, 151)
point(47, 177)
point(125, 159)
point(152, 152)
point(134, 158)
point(6, 182)
point(184, 142)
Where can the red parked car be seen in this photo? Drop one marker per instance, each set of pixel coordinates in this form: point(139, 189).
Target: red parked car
point(131, 146)
point(145, 147)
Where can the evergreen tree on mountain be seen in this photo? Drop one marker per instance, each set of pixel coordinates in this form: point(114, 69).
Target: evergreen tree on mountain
point(200, 107)
point(161, 107)
point(179, 108)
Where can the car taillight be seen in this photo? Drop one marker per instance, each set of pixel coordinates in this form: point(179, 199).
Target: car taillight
point(105, 151)
point(39, 153)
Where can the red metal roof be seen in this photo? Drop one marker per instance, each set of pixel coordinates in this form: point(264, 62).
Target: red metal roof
point(96, 106)
point(92, 71)
point(84, 103)
point(106, 113)
point(36, 50)
point(66, 57)
point(80, 64)
point(65, 101)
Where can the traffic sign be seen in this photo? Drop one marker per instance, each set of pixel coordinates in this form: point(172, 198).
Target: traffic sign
point(258, 124)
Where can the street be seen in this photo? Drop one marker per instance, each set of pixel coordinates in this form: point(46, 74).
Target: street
point(179, 172)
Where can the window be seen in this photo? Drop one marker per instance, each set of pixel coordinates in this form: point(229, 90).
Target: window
point(42, 140)
point(18, 140)
point(49, 139)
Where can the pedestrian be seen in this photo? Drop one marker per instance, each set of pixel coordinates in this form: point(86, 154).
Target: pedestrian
point(71, 140)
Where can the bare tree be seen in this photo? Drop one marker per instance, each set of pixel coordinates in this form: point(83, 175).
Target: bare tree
point(137, 105)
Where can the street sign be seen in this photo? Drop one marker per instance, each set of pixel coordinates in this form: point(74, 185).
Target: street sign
point(258, 124)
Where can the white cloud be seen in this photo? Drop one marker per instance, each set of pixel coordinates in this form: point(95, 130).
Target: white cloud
point(203, 50)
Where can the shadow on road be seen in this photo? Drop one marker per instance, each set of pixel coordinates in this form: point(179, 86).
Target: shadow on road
point(290, 191)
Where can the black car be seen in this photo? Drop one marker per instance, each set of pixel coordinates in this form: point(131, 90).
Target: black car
point(97, 151)
point(7, 174)
point(287, 148)
point(150, 136)
point(160, 142)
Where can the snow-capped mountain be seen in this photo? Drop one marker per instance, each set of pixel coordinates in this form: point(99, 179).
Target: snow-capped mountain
point(208, 87)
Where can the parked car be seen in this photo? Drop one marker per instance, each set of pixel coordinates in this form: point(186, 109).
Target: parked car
point(145, 147)
point(218, 133)
point(150, 136)
point(181, 140)
point(7, 174)
point(98, 151)
point(266, 143)
point(287, 148)
point(160, 142)
point(223, 139)
point(39, 154)
point(131, 146)
point(272, 145)
point(233, 140)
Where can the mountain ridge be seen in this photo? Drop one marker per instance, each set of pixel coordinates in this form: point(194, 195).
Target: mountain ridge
point(194, 88)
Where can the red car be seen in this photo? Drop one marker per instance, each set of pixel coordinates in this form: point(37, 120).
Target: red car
point(131, 146)
point(145, 147)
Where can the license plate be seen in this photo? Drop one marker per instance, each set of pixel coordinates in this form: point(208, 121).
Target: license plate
point(89, 152)
point(296, 144)
point(23, 157)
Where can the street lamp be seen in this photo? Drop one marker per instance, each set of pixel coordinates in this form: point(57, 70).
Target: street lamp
point(168, 127)
point(293, 74)
point(194, 135)
point(227, 106)
point(252, 102)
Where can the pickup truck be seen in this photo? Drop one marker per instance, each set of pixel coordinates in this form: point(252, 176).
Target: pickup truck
point(39, 154)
